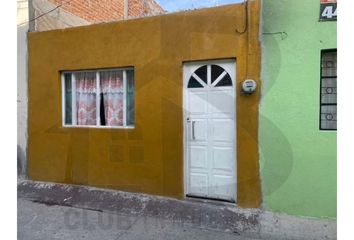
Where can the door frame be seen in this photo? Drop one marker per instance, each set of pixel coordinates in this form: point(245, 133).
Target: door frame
point(185, 126)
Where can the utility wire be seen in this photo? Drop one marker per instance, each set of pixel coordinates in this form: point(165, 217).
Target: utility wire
point(245, 2)
point(43, 14)
point(283, 34)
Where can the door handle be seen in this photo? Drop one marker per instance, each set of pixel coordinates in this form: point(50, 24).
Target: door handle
point(193, 132)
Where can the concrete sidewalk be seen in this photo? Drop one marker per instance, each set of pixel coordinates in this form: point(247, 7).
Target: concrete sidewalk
point(37, 221)
point(78, 205)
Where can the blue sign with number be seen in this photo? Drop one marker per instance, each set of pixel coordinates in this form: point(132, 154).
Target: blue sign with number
point(328, 10)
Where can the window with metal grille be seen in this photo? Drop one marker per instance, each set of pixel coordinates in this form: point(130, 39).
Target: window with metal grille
point(328, 101)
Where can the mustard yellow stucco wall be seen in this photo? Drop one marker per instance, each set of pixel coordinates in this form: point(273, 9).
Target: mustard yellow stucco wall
point(148, 158)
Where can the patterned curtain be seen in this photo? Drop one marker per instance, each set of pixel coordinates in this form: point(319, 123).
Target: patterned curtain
point(112, 93)
point(86, 98)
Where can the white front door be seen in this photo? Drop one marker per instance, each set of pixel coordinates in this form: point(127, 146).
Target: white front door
point(210, 129)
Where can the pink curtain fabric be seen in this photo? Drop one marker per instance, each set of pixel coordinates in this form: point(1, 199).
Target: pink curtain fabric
point(112, 89)
point(86, 98)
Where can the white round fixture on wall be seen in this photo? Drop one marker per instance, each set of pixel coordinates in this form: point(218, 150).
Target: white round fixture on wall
point(249, 86)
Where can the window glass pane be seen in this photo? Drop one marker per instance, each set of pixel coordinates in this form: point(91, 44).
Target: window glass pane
point(329, 117)
point(216, 71)
point(86, 98)
point(102, 110)
point(130, 98)
point(329, 64)
point(68, 98)
point(111, 84)
point(225, 81)
point(202, 73)
point(329, 90)
point(193, 83)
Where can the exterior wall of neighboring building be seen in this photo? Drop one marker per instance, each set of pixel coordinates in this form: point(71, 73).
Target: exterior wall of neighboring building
point(84, 12)
point(298, 161)
point(143, 8)
point(149, 157)
point(22, 28)
point(57, 19)
point(94, 11)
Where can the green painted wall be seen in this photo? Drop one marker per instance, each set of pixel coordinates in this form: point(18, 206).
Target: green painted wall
point(298, 161)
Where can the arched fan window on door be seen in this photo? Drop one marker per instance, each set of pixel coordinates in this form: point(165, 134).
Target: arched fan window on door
point(219, 77)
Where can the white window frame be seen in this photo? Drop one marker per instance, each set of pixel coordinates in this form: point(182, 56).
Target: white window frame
point(98, 118)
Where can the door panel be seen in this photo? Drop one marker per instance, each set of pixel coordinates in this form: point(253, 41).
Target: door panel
point(210, 129)
point(221, 102)
point(198, 157)
point(199, 130)
point(223, 159)
point(222, 130)
point(197, 102)
point(199, 184)
point(222, 186)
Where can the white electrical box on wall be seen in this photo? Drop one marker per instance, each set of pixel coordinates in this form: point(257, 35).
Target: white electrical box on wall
point(249, 86)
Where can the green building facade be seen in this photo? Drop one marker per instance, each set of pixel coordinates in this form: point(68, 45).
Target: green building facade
point(298, 159)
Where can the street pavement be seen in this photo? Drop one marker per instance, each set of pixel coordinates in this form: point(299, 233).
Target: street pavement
point(38, 221)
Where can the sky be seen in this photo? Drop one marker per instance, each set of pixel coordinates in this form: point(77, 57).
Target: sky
point(179, 5)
